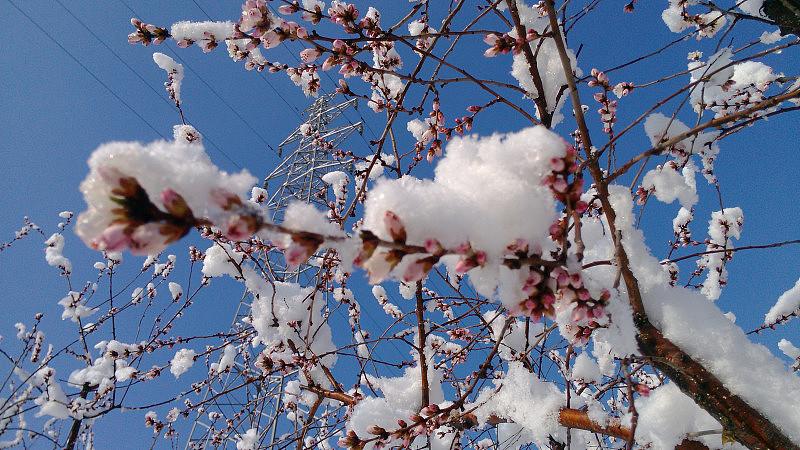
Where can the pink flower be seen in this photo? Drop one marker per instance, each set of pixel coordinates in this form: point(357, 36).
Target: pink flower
point(113, 238)
point(310, 54)
point(175, 204)
point(147, 239)
point(225, 199)
point(239, 228)
point(296, 254)
point(395, 227)
point(418, 269)
point(434, 247)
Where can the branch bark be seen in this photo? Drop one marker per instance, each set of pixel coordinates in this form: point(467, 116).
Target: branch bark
point(746, 424)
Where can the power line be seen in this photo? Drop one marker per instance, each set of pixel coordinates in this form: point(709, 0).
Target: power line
point(86, 69)
point(363, 120)
point(211, 88)
point(260, 74)
point(141, 78)
point(208, 16)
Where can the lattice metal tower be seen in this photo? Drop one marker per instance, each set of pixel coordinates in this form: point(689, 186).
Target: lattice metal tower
point(297, 177)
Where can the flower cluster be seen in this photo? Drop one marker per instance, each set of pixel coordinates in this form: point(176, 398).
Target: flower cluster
point(608, 107)
point(344, 14)
point(146, 33)
point(256, 19)
point(424, 423)
point(565, 190)
point(137, 223)
point(503, 44)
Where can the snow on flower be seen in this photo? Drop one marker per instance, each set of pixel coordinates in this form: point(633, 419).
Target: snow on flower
point(511, 170)
point(528, 402)
point(182, 362)
point(248, 441)
point(54, 253)
point(723, 227)
point(226, 361)
point(75, 308)
point(787, 304)
point(725, 86)
point(548, 63)
point(660, 128)
point(143, 197)
point(174, 75)
point(669, 185)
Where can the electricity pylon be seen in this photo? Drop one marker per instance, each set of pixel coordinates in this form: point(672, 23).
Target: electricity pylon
point(298, 177)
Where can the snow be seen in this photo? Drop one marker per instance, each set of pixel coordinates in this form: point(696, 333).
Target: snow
point(248, 441)
point(182, 362)
point(660, 128)
point(416, 27)
point(186, 134)
point(174, 74)
point(752, 7)
point(690, 321)
point(75, 308)
point(54, 255)
point(195, 31)
point(586, 369)
point(669, 185)
point(335, 177)
point(681, 220)
point(771, 37)
point(722, 228)
point(225, 362)
point(305, 217)
point(529, 402)
point(291, 305)
point(510, 168)
point(183, 168)
point(407, 290)
point(421, 130)
point(787, 303)
point(728, 82)
point(548, 62)
point(221, 259)
point(400, 399)
point(789, 349)
point(175, 290)
point(677, 19)
point(667, 415)
point(701, 330)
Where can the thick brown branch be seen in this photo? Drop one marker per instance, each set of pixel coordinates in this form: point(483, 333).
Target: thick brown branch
point(533, 68)
point(747, 425)
point(422, 341)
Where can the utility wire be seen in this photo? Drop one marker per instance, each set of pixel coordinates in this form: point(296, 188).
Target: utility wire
point(208, 16)
point(141, 78)
point(86, 69)
point(211, 88)
point(363, 120)
point(277, 92)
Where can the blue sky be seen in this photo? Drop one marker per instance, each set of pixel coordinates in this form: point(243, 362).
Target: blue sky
point(57, 110)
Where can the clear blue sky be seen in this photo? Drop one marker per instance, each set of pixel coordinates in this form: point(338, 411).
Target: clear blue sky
point(56, 111)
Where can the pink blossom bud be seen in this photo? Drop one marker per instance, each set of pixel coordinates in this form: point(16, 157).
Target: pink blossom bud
point(395, 227)
point(464, 265)
point(147, 239)
point(310, 54)
point(113, 239)
point(557, 164)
